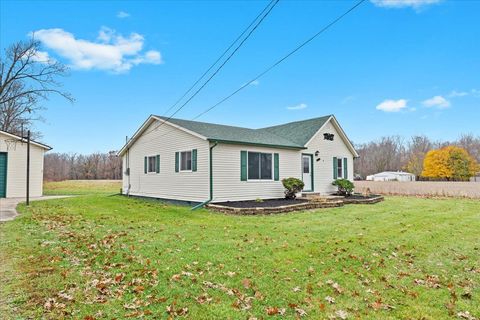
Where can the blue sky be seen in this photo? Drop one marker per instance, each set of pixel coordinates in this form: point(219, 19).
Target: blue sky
point(388, 68)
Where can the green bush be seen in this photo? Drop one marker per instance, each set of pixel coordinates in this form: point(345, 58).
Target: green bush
point(345, 186)
point(292, 186)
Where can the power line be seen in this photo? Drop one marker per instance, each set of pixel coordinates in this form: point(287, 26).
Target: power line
point(282, 59)
point(274, 3)
point(325, 28)
point(219, 58)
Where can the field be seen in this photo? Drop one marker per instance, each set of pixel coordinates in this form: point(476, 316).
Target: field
point(422, 188)
point(79, 187)
point(105, 256)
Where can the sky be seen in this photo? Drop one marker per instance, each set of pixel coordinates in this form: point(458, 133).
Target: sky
point(391, 67)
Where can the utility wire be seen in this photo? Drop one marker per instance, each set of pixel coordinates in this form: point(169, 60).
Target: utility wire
point(219, 58)
point(273, 4)
point(282, 59)
point(325, 28)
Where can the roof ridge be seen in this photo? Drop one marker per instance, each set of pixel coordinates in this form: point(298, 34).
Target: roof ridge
point(298, 121)
point(212, 123)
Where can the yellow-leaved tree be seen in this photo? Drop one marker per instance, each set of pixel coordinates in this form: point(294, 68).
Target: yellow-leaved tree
point(450, 163)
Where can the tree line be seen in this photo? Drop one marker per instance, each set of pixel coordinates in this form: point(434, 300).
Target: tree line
point(72, 166)
point(394, 153)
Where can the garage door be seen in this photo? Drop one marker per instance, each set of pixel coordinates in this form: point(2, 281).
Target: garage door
point(3, 174)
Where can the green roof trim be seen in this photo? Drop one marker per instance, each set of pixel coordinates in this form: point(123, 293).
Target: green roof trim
point(293, 135)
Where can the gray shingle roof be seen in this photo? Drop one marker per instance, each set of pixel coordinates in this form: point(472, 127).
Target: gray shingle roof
point(290, 135)
point(299, 132)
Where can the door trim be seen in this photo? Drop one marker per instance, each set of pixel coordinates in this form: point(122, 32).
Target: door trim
point(6, 174)
point(311, 171)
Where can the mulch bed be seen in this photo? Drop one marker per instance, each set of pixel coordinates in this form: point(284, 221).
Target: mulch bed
point(270, 203)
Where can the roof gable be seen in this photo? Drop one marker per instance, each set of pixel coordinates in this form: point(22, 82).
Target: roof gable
point(299, 132)
point(293, 135)
point(16, 137)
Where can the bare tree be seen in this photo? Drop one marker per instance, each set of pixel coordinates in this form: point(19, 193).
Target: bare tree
point(417, 149)
point(27, 76)
point(63, 166)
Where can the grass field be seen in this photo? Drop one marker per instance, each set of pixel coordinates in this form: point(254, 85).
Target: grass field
point(100, 256)
point(81, 187)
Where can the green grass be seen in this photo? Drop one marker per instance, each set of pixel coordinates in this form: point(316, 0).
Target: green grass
point(114, 257)
point(81, 187)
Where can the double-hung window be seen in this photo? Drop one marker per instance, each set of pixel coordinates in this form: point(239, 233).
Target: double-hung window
point(259, 166)
point(340, 167)
point(186, 160)
point(152, 164)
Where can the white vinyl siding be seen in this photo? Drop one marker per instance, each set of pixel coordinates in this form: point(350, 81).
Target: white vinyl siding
point(323, 160)
point(17, 168)
point(167, 184)
point(227, 184)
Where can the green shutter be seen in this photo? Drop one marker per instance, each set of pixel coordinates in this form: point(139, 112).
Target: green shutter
point(335, 168)
point(177, 156)
point(157, 163)
point(345, 168)
point(276, 170)
point(145, 163)
point(243, 165)
point(194, 160)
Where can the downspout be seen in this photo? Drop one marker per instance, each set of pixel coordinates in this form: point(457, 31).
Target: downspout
point(198, 206)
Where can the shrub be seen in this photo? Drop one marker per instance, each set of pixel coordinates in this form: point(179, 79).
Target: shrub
point(292, 186)
point(345, 186)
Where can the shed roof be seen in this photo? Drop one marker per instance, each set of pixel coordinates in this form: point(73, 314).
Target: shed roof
point(16, 137)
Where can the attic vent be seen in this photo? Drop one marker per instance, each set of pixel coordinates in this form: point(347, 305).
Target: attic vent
point(328, 136)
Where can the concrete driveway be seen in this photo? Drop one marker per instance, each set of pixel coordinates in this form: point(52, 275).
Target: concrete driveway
point(8, 206)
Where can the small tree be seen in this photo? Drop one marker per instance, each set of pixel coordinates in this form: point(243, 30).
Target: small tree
point(345, 187)
point(450, 163)
point(292, 186)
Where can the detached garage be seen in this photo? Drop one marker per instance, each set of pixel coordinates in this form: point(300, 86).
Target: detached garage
point(13, 166)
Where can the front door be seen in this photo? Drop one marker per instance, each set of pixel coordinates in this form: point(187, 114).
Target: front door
point(307, 174)
point(3, 174)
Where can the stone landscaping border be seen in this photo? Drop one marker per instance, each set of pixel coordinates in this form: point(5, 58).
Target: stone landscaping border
point(363, 201)
point(273, 210)
point(312, 204)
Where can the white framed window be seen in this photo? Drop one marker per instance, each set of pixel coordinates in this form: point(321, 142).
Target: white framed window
point(152, 164)
point(259, 166)
point(186, 160)
point(340, 167)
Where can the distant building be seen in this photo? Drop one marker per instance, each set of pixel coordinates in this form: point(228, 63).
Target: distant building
point(475, 178)
point(392, 176)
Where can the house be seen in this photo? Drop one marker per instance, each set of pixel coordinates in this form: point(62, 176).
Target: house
point(200, 162)
point(13, 166)
point(475, 178)
point(392, 176)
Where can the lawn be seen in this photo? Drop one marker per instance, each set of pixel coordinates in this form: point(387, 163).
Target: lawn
point(104, 256)
point(81, 187)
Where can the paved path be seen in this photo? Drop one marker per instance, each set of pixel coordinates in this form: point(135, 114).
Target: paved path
point(7, 206)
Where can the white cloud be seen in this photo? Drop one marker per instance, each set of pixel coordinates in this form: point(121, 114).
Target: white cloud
point(298, 107)
point(438, 102)
point(392, 105)
point(455, 94)
point(42, 56)
point(123, 14)
point(416, 4)
point(110, 51)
